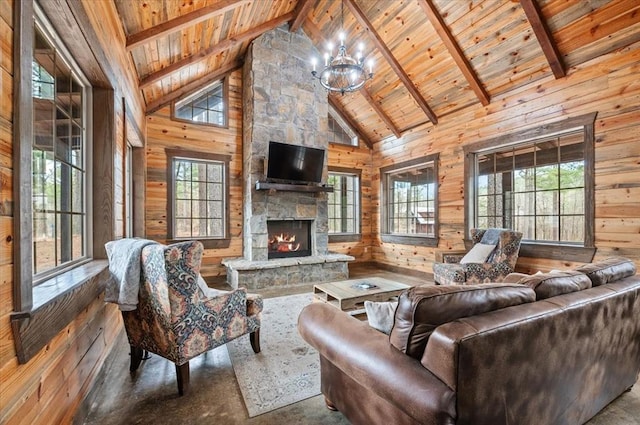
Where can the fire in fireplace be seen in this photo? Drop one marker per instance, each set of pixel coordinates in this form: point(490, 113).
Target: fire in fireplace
point(289, 238)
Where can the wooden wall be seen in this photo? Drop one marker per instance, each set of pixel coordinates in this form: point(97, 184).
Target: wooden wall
point(163, 133)
point(356, 158)
point(609, 85)
point(49, 388)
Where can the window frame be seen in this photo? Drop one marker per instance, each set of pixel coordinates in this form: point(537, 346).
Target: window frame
point(335, 115)
point(559, 251)
point(417, 240)
point(41, 312)
point(356, 235)
point(42, 25)
point(209, 242)
point(225, 99)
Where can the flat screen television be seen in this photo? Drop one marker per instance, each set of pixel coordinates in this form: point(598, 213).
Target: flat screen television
point(294, 163)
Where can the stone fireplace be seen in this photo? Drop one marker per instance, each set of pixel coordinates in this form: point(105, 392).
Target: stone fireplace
point(282, 103)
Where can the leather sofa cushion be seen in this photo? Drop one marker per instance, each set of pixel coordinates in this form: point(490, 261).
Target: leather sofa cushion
point(422, 309)
point(547, 285)
point(609, 270)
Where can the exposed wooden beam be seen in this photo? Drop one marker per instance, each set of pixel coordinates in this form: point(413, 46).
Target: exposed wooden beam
point(183, 21)
point(315, 33)
point(541, 30)
point(301, 12)
point(454, 50)
point(192, 86)
point(376, 107)
point(350, 121)
point(215, 49)
point(393, 62)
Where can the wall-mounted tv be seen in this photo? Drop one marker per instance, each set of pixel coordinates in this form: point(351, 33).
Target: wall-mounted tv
point(294, 163)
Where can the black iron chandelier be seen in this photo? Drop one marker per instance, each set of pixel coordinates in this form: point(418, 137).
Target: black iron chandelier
point(342, 73)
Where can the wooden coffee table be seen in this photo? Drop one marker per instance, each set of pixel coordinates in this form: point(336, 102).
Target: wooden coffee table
point(350, 295)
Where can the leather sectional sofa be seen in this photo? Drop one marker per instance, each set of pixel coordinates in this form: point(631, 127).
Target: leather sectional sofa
point(551, 349)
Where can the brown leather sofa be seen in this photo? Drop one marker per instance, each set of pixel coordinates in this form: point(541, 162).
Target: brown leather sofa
point(555, 361)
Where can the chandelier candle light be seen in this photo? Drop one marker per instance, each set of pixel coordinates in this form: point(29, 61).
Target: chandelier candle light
point(342, 73)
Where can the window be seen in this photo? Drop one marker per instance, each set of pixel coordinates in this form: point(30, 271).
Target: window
point(344, 203)
point(206, 106)
point(198, 197)
point(339, 131)
point(58, 160)
point(537, 185)
point(410, 202)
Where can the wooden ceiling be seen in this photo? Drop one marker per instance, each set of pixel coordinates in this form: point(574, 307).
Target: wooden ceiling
point(432, 57)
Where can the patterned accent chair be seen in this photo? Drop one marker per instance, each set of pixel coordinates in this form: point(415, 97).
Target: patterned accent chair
point(499, 264)
point(176, 319)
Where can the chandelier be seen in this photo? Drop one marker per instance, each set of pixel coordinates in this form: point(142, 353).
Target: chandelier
point(342, 73)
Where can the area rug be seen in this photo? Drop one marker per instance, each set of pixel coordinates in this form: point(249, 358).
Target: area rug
point(287, 369)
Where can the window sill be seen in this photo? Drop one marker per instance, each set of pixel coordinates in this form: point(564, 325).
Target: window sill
point(56, 302)
point(410, 240)
point(345, 237)
point(206, 243)
point(571, 253)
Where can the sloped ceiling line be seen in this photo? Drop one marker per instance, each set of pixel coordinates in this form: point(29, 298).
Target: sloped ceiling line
point(182, 22)
point(193, 86)
point(301, 12)
point(454, 50)
point(318, 38)
point(224, 45)
point(376, 107)
point(393, 62)
point(351, 122)
point(541, 30)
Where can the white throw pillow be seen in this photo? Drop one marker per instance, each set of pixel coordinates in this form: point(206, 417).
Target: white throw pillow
point(380, 315)
point(478, 254)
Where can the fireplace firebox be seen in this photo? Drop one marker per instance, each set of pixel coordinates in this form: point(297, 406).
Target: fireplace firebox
point(289, 238)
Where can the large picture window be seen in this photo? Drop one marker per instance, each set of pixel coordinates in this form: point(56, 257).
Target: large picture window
point(344, 202)
point(198, 196)
point(58, 160)
point(540, 186)
point(410, 202)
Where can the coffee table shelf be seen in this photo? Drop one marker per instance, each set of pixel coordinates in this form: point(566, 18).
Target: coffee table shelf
point(348, 297)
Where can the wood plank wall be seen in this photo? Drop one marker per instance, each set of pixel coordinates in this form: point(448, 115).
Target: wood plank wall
point(608, 85)
point(163, 133)
point(49, 388)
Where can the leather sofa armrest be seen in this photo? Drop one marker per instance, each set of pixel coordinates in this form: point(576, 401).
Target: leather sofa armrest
point(366, 356)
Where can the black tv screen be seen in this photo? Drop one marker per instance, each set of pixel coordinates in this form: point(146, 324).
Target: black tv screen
point(295, 163)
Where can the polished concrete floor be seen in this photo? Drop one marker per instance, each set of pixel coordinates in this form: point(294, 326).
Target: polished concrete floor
point(151, 397)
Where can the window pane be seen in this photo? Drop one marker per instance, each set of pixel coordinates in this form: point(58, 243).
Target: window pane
point(572, 201)
point(411, 200)
point(205, 107)
point(547, 202)
point(526, 225)
point(572, 174)
point(572, 228)
point(547, 228)
point(198, 198)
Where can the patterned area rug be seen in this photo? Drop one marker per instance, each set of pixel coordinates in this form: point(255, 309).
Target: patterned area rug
point(287, 369)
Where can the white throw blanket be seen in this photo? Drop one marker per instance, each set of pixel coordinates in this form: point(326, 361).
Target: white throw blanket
point(125, 266)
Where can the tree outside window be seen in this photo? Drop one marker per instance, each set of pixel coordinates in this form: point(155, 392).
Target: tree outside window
point(410, 192)
point(344, 203)
point(540, 187)
point(198, 196)
point(57, 161)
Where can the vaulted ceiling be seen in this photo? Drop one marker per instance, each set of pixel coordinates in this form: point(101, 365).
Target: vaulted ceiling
point(432, 57)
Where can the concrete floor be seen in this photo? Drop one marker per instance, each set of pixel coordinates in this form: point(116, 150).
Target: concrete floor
point(151, 397)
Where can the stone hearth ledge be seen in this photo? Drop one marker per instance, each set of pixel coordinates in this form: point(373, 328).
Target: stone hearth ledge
point(286, 271)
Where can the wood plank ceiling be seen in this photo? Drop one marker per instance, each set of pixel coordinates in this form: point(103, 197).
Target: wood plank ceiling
point(432, 57)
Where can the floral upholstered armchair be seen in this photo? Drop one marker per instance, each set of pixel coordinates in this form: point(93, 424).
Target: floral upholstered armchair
point(178, 317)
point(492, 257)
